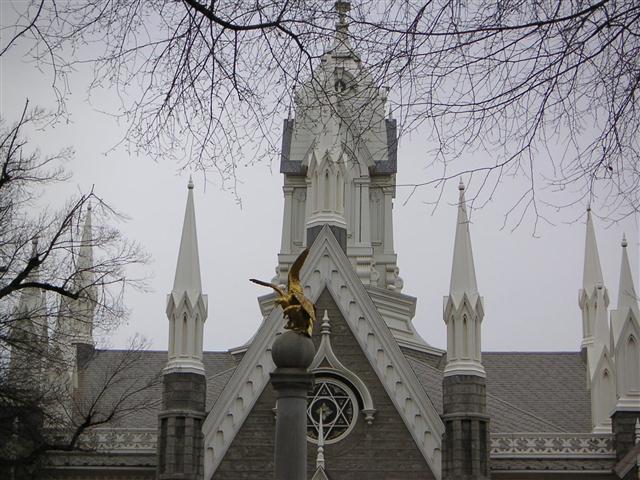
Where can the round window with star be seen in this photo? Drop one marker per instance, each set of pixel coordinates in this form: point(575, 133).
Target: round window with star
point(333, 405)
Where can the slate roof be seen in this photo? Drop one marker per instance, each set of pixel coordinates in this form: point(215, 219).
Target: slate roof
point(542, 392)
point(526, 392)
point(132, 380)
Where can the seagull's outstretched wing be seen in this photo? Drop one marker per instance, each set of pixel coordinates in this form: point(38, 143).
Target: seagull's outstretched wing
point(295, 287)
point(278, 290)
point(294, 272)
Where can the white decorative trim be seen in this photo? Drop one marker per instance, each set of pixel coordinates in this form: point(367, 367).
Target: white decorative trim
point(398, 310)
point(572, 445)
point(241, 393)
point(325, 352)
point(121, 440)
point(328, 267)
point(464, 367)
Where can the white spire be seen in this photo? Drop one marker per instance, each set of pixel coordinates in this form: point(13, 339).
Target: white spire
point(463, 308)
point(593, 300)
point(592, 275)
point(85, 260)
point(187, 277)
point(594, 296)
point(187, 305)
point(625, 330)
point(463, 273)
point(82, 309)
point(27, 324)
point(627, 298)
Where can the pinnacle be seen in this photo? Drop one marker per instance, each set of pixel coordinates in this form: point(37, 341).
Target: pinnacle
point(592, 275)
point(187, 277)
point(463, 274)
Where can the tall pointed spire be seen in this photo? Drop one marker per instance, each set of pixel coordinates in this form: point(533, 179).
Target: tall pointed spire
point(85, 261)
point(26, 327)
point(464, 375)
point(594, 296)
point(463, 273)
point(82, 310)
point(593, 300)
point(187, 277)
point(627, 298)
point(463, 308)
point(592, 274)
point(187, 305)
point(625, 332)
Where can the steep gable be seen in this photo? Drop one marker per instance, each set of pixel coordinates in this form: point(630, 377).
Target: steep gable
point(369, 451)
point(328, 268)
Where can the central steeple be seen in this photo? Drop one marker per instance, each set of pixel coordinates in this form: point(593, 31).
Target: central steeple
point(339, 163)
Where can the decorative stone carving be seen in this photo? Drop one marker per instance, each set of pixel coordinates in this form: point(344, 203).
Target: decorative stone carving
point(326, 356)
point(121, 439)
point(552, 445)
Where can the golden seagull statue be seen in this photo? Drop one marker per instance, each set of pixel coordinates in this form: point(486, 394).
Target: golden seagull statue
point(299, 310)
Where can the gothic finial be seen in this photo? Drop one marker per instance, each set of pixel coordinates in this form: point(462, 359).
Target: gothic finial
point(342, 26)
point(461, 185)
point(190, 184)
point(342, 8)
point(624, 241)
point(325, 326)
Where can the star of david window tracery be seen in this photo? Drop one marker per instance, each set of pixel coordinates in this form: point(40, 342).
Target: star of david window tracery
point(337, 405)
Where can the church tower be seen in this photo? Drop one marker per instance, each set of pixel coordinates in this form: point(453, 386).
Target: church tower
point(465, 453)
point(29, 331)
point(82, 310)
point(339, 165)
point(594, 301)
point(180, 443)
point(625, 345)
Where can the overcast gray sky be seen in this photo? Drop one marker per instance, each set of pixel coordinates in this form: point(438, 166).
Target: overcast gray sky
point(530, 284)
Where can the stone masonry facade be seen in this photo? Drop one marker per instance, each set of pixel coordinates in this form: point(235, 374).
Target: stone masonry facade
point(383, 450)
point(466, 440)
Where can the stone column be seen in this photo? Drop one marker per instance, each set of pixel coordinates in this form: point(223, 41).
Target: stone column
point(465, 452)
point(292, 354)
point(287, 219)
point(180, 439)
point(624, 430)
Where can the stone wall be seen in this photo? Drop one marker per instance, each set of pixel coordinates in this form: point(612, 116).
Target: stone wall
point(383, 450)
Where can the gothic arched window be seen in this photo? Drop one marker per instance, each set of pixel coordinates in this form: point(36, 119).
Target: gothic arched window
point(632, 360)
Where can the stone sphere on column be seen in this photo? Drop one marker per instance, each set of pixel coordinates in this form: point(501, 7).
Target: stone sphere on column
point(292, 350)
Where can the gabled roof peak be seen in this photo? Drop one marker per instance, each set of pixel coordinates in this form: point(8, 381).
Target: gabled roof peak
point(187, 277)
